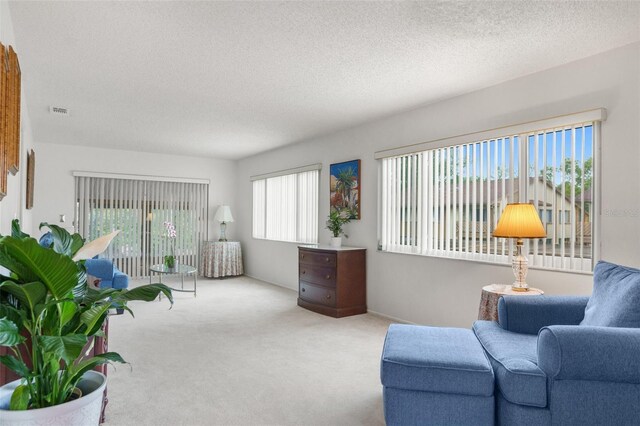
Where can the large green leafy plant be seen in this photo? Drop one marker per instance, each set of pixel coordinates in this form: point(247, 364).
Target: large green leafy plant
point(49, 316)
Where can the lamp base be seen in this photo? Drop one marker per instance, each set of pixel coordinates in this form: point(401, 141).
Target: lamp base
point(520, 268)
point(223, 232)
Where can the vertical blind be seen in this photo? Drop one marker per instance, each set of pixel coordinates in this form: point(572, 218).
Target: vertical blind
point(447, 201)
point(285, 208)
point(139, 208)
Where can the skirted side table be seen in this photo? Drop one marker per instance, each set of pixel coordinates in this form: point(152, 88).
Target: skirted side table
point(221, 259)
point(491, 294)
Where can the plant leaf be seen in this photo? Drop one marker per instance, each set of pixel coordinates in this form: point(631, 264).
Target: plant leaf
point(126, 308)
point(18, 270)
point(29, 294)
point(63, 241)
point(32, 262)
point(12, 314)
point(80, 289)
point(76, 371)
point(20, 398)
point(16, 232)
point(50, 318)
point(95, 247)
point(67, 311)
point(14, 364)
point(67, 347)
point(9, 333)
point(146, 293)
point(94, 317)
point(94, 295)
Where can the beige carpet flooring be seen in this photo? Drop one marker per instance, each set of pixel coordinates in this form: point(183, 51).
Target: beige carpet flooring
point(243, 353)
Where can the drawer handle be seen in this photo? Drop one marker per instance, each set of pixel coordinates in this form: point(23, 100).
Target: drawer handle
point(328, 296)
point(302, 256)
point(304, 289)
point(327, 259)
point(304, 271)
point(328, 276)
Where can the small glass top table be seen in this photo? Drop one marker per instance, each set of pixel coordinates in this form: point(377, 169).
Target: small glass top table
point(181, 270)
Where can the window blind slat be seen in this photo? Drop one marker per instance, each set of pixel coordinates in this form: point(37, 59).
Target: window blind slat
point(545, 216)
point(572, 222)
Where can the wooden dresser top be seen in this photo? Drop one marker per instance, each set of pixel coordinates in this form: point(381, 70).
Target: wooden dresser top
point(326, 247)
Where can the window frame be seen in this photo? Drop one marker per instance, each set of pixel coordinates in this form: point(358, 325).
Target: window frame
point(317, 168)
point(594, 118)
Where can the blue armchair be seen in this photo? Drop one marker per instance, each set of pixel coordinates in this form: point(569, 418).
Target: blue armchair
point(109, 275)
point(553, 366)
point(554, 360)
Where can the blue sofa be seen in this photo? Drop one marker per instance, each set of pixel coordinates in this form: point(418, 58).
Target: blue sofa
point(559, 360)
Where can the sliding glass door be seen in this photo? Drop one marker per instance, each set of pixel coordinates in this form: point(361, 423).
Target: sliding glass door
point(139, 209)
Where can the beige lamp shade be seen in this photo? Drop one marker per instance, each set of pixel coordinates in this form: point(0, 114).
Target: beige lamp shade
point(519, 220)
point(223, 214)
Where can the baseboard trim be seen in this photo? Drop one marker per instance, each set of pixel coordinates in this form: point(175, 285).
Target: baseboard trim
point(369, 311)
point(389, 317)
point(269, 282)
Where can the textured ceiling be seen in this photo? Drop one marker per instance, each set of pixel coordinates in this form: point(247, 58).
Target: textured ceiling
point(232, 79)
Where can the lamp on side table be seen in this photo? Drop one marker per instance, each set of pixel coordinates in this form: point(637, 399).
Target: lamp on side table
point(223, 215)
point(519, 220)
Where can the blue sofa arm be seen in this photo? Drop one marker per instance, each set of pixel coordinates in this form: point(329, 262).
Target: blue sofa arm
point(120, 279)
point(604, 354)
point(528, 314)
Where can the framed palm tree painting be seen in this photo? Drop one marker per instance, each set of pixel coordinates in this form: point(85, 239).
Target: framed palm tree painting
point(345, 188)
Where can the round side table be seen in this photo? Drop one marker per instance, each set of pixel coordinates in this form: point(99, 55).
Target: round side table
point(491, 294)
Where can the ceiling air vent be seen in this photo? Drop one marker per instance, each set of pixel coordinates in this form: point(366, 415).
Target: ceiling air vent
point(59, 110)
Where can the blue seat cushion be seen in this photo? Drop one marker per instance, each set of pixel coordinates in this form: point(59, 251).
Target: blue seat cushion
point(615, 300)
point(514, 358)
point(446, 360)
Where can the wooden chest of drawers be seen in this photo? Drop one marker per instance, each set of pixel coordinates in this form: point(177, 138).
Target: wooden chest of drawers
point(332, 280)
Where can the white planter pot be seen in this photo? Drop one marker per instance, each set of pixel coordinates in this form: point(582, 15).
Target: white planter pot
point(336, 241)
point(84, 411)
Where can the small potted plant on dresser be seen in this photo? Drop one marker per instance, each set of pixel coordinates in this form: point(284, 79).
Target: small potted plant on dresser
point(335, 223)
point(48, 319)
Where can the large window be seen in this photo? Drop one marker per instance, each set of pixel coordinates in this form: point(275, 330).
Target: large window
point(139, 208)
point(446, 201)
point(285, 205)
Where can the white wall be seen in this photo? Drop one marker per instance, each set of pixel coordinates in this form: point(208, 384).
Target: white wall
point(13, 205)
point(446, 292)
point(54, 183)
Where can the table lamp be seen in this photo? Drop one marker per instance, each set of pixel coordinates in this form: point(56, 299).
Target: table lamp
point(519, 221)
point(223, 215)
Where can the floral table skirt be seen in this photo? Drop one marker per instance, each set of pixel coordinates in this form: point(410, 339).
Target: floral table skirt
point(221, 259)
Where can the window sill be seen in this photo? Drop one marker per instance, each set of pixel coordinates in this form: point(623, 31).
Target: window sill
point(281, 241)
point(487, 262)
